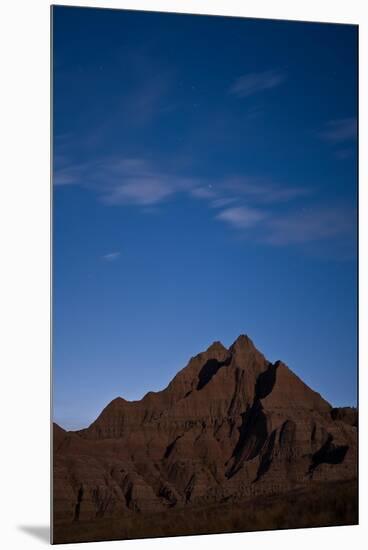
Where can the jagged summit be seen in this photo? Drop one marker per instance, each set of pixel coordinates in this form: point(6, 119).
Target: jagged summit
point(244, 345)
point(200, 370)
point(230, 424)
point(216, 346)
point(243, 340)
point(214, 383)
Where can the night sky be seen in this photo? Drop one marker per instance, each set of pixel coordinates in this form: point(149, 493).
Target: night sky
point(204, 186)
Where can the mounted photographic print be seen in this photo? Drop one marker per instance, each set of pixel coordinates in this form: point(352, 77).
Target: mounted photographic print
point(204, 274)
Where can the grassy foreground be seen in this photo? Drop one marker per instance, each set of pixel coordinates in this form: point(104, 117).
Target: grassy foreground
point(323, 504)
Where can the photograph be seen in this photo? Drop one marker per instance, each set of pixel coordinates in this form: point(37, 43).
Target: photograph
point(204, 181)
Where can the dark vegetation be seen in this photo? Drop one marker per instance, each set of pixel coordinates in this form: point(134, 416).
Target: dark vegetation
point(320, 505)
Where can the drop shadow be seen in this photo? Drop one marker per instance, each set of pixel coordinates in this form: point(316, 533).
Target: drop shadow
point(209, 370)
point(40, 532)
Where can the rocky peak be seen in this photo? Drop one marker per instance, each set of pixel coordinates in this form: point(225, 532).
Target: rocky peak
point(243, 341)
point(216, 347)
point(246, 355)
point(229, 425)
point(243, 346)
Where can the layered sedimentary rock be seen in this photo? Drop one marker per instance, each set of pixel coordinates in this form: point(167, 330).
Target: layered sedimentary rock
point(230, 425)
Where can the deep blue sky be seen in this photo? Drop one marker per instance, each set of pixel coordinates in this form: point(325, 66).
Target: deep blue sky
point(204, 186)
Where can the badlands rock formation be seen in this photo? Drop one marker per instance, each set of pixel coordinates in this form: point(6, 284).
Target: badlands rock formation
point(229, 427)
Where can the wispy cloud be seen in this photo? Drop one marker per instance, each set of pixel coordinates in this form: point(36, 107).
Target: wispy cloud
point(146, 102)
point(144, 191)
point(263, 191)
point(135, 180)
point(257, 208)
point(111, 256)
point(293, 227)
point(252, 83)
point(203, 192)
point(313, 224)
point(340, 130)
point(343, 154)
point(68, 173)
point(144, 185)
point(241, 217)
point(129, 180)
point(63, 177)
point(222, 202)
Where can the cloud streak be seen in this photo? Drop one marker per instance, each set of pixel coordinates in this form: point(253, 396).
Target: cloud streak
point(241, 217)
point(203, 192)
point(111, 256)
point(145, 191)
point(253, 83)
point(259, 209)
point(340, 130)
point(294, 227)
point(313, 224)
point(261, 191)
